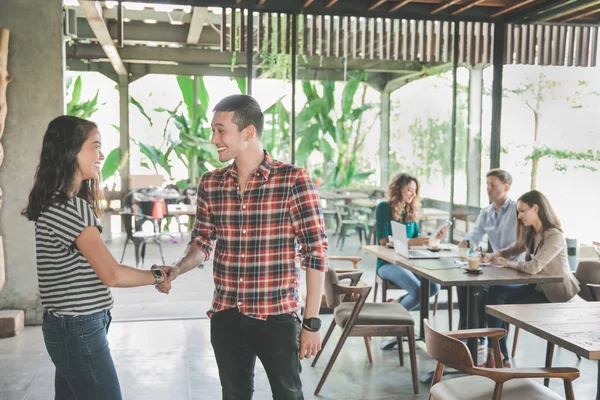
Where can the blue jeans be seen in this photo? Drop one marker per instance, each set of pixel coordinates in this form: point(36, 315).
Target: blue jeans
point(238, 339)
point(79, 350)
point(510, 294)
point(408, 281)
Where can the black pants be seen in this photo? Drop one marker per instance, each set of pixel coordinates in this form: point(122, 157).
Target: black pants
point(237, 340)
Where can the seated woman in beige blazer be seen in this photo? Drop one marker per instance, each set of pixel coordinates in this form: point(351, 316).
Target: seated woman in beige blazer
point(539, 234)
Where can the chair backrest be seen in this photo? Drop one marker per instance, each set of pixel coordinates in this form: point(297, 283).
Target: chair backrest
point(447, 350)
point(344, 212)
point(588, 272)
point(331, 279)
point(127, 219)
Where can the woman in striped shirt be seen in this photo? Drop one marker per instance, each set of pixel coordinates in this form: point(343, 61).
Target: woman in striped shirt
point(75, 268)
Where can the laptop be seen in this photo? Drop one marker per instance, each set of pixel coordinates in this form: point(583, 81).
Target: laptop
point(401, 244)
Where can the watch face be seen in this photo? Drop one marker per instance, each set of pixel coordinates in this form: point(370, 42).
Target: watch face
point(157, 273)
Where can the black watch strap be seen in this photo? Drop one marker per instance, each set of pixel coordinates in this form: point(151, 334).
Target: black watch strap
point(311, 324)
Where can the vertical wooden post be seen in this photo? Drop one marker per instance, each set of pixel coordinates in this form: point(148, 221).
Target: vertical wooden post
point(4, 80)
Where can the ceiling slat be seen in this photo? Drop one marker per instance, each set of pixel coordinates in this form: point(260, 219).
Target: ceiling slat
point(447, 4)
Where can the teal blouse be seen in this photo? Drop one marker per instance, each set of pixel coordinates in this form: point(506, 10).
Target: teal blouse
point(383, 217)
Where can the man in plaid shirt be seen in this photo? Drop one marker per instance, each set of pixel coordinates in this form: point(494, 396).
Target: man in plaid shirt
point(257, 209)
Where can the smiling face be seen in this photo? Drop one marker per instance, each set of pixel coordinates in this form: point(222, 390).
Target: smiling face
point(227, 137)
point(526, 214)
point(90, 157)
point(409, 192)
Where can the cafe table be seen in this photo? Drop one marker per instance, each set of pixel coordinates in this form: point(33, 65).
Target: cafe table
point(574, 326)
point(449, 272)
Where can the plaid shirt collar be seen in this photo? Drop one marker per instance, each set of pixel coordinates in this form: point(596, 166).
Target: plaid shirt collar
point(263, 169)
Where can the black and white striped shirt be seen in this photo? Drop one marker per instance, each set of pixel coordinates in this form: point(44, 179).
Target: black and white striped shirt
point(68, 284)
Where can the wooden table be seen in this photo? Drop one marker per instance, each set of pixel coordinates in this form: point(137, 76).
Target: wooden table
point(448, 273)
point(573, 326)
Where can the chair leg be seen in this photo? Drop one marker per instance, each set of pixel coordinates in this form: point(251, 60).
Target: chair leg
point(515, 340)
point(384, 291)
point(375, 287)
point(400, 351)
point(368, 346)
point(450, 306)
point(124, 247)
point(334, 356)
point(413, 358)
point(160, 250)
point(325, 339)
point(549, 356)
point(435, 303)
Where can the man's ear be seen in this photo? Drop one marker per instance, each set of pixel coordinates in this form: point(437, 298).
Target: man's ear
point(250, 132)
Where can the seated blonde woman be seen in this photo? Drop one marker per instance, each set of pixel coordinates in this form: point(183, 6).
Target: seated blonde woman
point(403, 205)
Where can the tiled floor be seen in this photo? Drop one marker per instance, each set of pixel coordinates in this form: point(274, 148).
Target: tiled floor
point(161, 348)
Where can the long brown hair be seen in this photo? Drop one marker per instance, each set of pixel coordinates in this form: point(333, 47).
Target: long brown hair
point(58, 167)
point(411, 211)
point(546, 215)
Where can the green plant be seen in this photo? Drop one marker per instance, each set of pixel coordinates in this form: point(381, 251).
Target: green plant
point(337, 137)
point(76, 107)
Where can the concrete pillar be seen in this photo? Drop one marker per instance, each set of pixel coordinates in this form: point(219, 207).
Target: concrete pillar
point(384, 141)
point(124, 131)
point(474, 136)
point(35, 97)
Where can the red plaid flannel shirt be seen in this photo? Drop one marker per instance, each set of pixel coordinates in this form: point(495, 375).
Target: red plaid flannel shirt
point(254, 267)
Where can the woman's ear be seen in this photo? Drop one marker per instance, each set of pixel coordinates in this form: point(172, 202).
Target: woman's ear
point(536, 208)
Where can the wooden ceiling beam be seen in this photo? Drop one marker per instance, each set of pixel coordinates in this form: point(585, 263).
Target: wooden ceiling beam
point(376, 4)
point(307, 3)
point(467, 5)
point(584, 14)
point(400, 5)
point(262, 2)
point(330, 3)
point(448, 3)
point(512, 8)
point(199, 17)
point(92, 10)
point(569, 11)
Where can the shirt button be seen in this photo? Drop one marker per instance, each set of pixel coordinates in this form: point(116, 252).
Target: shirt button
point(244, 231)
point(242, 256)
point(241, 279)
point(239, 303)
point(244, 206)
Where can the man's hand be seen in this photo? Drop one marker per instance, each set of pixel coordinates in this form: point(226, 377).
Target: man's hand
point(310, 343)
point(170, 273)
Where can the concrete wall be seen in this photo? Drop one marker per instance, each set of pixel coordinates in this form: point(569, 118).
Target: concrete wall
point(35, 96)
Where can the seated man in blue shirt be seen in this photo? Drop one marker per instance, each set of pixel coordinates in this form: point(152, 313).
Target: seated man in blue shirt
point(499, 222)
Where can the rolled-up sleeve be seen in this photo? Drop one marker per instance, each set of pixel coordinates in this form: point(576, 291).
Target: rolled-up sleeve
point(203, 233)
point(308, 223)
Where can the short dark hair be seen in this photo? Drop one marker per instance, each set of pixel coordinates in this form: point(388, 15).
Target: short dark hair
point(246, 111)
point(501, 174)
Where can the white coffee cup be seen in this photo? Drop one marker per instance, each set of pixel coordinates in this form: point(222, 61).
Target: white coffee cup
point(463, 252)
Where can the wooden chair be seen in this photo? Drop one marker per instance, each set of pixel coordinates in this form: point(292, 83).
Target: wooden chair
point(359, 318)
point(588, 275)
point(487, 383)
point(388, 285)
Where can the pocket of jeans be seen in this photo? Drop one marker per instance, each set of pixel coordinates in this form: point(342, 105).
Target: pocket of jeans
point(282, 318)
point(59, 355)
point(95, 341)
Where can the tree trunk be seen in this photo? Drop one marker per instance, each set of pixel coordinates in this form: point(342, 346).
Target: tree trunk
point(535, 160)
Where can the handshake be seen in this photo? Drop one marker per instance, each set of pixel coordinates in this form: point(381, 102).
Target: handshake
point(169, 274)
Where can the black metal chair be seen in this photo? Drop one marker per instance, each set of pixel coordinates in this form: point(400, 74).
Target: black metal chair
point(139, 238)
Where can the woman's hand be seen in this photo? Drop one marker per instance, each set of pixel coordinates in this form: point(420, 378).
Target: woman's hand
point(499, 261)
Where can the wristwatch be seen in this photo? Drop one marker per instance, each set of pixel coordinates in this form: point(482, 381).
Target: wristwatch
point(158, 275)
point(311, 324)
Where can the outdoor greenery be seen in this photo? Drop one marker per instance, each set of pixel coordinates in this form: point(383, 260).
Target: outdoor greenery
point(535, 94)
point(338, 137)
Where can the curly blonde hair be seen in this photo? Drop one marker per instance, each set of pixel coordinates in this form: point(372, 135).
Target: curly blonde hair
point(411, 211)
